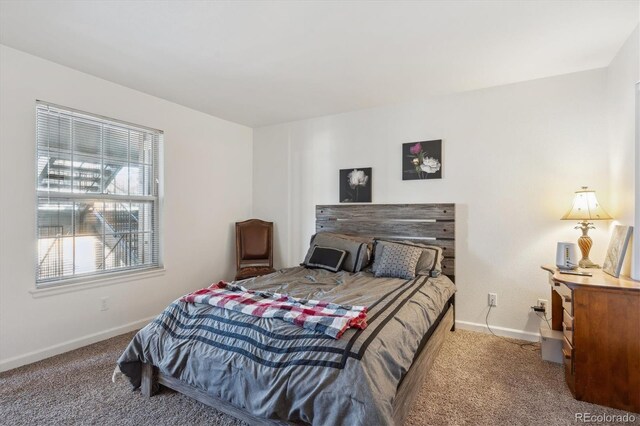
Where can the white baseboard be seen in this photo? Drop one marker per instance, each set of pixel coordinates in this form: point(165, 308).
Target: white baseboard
point(500, 331)
point(28, 358)
point(39, 355)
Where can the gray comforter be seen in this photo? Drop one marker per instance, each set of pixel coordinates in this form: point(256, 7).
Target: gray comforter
point(275, 369)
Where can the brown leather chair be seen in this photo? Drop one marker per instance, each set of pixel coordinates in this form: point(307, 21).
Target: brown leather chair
point(254, 248)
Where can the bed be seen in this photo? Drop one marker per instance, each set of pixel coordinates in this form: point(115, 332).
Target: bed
point(266, 371)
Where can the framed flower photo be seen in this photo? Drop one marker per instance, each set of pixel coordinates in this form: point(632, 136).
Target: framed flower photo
point(355, 185)
point(422, 160)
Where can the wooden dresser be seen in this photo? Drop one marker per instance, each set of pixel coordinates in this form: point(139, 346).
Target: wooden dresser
point(600, 319)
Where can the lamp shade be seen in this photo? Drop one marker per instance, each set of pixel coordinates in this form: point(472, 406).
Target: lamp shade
point(586, 207)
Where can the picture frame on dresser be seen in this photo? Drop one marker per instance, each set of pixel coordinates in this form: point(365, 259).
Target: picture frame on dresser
point(616, 251)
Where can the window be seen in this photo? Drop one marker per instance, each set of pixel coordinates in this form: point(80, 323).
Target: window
point(97, 186)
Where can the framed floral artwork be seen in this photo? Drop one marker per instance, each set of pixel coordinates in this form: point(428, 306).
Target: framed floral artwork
point(355, 185)
point(422, 160)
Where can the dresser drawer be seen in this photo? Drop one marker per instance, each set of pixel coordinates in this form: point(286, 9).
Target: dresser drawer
point(566, 294)
point(560, 287)
point(569, 372)
point(567, 303)
point(567, 326)
point(567, 354)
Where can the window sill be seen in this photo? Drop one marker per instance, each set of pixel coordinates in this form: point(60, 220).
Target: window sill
point(79, 284)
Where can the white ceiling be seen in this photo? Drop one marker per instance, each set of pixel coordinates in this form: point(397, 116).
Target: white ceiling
point(265, 62)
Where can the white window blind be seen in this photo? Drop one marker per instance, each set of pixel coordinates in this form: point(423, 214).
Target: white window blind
point(97, 188)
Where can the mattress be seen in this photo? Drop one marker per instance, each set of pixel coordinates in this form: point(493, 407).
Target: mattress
point(274, 369)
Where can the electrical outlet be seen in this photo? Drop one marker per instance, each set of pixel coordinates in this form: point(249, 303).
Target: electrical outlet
point(543, 303)
point(493, 299)
point(104, 304)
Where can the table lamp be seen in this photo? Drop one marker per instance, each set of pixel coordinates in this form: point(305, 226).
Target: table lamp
point(586, 208)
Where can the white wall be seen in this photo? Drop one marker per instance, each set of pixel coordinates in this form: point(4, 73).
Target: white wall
point(513, 156)
point(208, 186)
point(636, 231)
point(622, 75)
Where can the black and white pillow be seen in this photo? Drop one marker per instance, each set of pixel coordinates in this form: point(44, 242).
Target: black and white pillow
point(327, 258)
point(398, 261)
point(357, 253)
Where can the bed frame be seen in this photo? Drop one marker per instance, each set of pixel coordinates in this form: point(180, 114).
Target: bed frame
point(426, 223)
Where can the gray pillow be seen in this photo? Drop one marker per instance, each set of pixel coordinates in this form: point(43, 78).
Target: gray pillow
point(398, 261)
point(378, 248)
point(357, 253)
point(430, 262)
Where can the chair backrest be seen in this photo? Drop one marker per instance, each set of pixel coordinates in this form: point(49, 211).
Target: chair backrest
point(254, 243)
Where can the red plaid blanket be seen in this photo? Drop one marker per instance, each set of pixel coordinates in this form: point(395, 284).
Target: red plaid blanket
point(325, 317)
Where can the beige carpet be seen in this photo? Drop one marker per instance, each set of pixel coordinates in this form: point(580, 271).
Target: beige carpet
point(477, 379)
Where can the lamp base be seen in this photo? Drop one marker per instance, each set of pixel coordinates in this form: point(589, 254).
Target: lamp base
point(585, 242)
point(587, 263)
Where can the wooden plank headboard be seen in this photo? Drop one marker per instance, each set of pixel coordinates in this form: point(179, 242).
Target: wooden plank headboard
point(433, 224)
